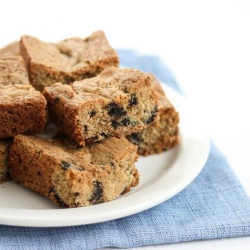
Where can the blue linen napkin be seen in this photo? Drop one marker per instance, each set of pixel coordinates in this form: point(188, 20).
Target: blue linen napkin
point(213, 206)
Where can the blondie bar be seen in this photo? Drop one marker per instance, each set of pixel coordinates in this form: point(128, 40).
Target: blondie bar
point(115, 103)
point(66, 61)
point(71, 176)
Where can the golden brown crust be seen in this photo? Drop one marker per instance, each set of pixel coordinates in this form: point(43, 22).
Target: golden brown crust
point(22, 110)
point(72, 176)
point(68, 60)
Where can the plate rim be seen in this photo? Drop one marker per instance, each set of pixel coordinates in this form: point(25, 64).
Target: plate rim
point(34, 218)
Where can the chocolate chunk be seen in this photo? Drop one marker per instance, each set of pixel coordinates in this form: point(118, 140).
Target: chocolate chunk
point(136, 138)
point(133, 100)
point(97, 193)
point(115, 110)
point(57, 100)
point(65, 165)
point(85, 128)
point(115, 124)
point(125, 122)
point(152, 116)
point(76, 194)
point(59, 201)
point(92, 113)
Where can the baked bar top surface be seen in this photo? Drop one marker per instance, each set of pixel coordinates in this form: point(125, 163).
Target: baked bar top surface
point(66, 152)
point(113, 83)
point(12, 70)
point(18, 94)
point(71, 54)
point(12, 49)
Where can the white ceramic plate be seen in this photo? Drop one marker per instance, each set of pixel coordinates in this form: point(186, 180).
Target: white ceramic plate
point(161, 177)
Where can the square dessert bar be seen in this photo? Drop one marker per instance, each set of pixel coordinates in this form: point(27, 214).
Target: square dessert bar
point(4, 159)
point(162, 134)
point(22, 110)
point(66, 61)
point(71, 176)
point(115, 103)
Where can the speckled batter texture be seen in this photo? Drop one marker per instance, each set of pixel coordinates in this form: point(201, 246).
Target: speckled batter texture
point(13, 71)
point(22, 110)
point(66, 61)
point(114, 103)
point(71, 176)
point(162, 134)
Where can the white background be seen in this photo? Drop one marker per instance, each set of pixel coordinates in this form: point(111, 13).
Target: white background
point(206, 45)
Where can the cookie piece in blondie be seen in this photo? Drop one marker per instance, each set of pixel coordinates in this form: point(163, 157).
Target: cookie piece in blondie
point(71, 176)
point(4, 159)
point(114, 103)
point(162, 134)
point(22, 110)
point(68, 60)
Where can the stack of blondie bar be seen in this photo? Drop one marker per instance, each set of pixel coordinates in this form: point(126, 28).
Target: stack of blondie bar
point(105, 116)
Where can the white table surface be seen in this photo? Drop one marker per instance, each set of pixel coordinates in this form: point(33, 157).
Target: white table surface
point(206, 45)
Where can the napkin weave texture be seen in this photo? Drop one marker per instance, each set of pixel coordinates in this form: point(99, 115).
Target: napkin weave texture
point(213, 206)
